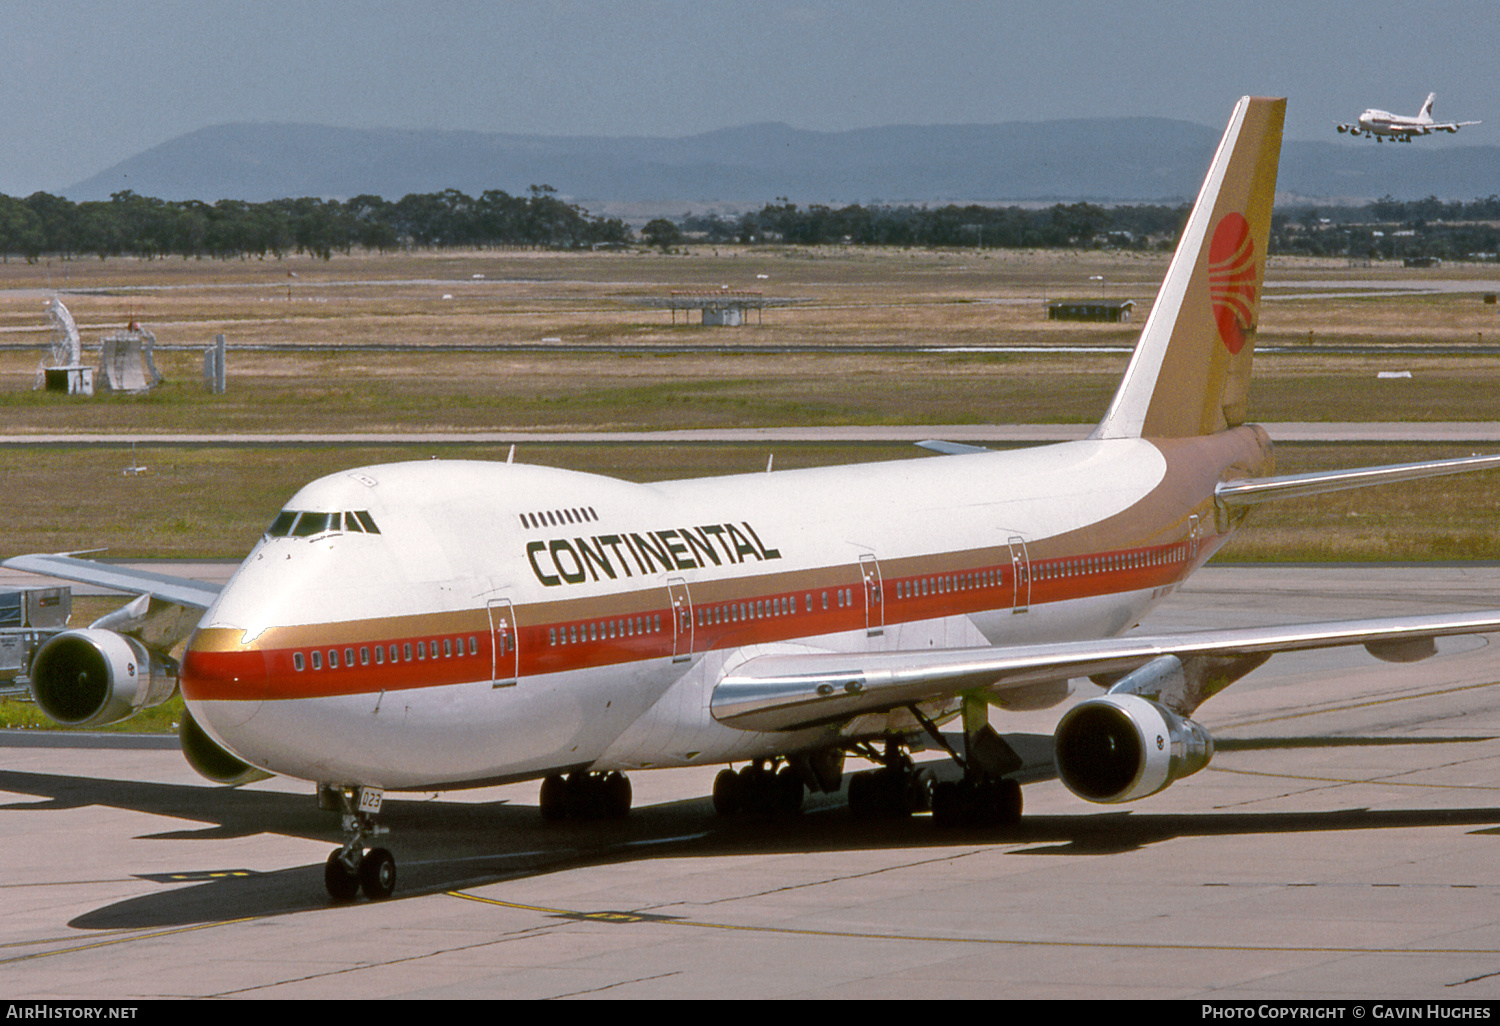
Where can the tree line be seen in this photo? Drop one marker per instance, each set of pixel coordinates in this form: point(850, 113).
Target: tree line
point(1383, 229)
point(1391, 229)
point(132, 225)
point(1063, 225)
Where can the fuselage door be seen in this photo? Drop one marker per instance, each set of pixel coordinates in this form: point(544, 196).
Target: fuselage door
point(505, 655)
point(869, 571)
point(682, 619)
point(1020, 572)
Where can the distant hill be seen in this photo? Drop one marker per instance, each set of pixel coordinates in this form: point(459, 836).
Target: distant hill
point(1100, 160)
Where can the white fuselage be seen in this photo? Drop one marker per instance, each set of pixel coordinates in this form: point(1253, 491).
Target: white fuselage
point(510, 621)
point(1382, 122)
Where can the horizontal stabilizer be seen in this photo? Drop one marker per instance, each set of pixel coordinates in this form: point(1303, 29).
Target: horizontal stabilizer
point(951, 448)
point(1250, 491)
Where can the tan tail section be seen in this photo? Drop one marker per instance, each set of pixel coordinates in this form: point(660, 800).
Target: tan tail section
point(1190, 374)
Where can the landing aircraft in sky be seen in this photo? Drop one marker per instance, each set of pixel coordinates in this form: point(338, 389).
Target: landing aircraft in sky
point(448, 624)
point(1382, 124)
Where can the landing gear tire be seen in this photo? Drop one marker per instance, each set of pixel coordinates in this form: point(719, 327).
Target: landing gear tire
point(727, 792)
point(751, 781)
point(585, 796)
point(1010, 805)
point(789, 792)
point(756, 790)
point(987, 803)
point(554, 798)
point(354, 866)
point(617, 795)
point(341, 881)
point(377, 874)
point(886, 793)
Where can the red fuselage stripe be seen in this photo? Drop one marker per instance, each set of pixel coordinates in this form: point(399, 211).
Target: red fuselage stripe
point(732, 622)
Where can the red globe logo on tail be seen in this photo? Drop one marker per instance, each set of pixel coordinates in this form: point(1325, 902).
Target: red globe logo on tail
point(1231, 279)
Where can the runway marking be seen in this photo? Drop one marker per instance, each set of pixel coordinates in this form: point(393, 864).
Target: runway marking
point(1383, 781)
point(195, 876)
point(989, 941)
point(123, 940)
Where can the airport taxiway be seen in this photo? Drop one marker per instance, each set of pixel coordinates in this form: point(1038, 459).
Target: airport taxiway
point(1454, 431)
point(1341, 845)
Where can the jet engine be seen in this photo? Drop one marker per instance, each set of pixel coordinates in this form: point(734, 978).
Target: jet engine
point(210, 759)
point(1117, 748)
point(93, 677)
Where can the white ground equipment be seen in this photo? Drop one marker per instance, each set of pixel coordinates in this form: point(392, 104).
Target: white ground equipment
point(66, 372)
point(125, 359)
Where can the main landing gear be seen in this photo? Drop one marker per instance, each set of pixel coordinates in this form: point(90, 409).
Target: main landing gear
point(777, 787)
point(758, 788)
point(984, 797)
point(585, 796)
point(352, 868)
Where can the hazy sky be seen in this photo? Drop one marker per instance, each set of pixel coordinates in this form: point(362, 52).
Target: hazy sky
point(87, 83)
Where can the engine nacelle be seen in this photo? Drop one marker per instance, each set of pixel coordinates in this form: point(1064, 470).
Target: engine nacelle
point(210, 759)
point(92, 677)
point(1117, 748)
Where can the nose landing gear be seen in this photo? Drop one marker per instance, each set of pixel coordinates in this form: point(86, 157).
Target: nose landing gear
point(353, 868)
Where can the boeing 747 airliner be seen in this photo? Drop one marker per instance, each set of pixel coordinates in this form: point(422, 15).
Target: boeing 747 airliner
point(450, 624)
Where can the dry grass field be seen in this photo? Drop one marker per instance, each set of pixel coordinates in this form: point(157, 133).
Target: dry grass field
point(214, 501)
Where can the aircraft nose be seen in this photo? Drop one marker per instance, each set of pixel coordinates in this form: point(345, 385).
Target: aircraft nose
point(223, 680)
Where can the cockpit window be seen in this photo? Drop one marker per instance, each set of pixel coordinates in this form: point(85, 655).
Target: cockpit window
point(282, 525)
point(295, 524)
point(310, 524)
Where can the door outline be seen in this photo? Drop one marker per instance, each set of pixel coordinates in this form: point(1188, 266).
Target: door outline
point(505, 652)
point(869, 572)
point(1020, 570)
point(681, 603)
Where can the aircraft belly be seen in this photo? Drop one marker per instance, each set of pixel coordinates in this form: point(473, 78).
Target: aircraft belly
point(438, 735)
point(679, 729)
point(1068, 620)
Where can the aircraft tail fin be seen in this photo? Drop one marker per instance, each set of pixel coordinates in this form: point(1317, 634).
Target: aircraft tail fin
point(1426, 113)
point(1190, 374)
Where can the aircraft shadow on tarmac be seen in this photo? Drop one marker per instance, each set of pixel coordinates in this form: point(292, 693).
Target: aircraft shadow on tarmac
point(442, 846)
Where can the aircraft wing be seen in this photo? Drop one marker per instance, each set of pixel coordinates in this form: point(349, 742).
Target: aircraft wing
point(1252, 491)
point(788, 692)
point(180, 591)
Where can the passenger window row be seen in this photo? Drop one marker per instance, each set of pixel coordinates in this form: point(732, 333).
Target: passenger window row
point(300, 524)
point(736, 612)
point(921, 587)
point(405, 652)
point(604, 630)
point(1054, 568)
point(560, 517)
